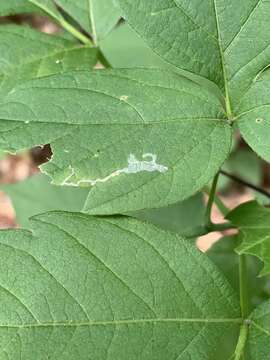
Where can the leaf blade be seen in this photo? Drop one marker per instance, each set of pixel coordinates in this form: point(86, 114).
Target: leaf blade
point(138, 107)
point(96, 16)
point(150, 318)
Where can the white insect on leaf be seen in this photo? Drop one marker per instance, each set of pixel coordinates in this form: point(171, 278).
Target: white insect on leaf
point(134, 166)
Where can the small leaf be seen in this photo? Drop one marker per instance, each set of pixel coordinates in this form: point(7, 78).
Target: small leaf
point(259, 332)
point(97, 16)
point(253, 221)
point(110, 288)
point(108, 129)
point(223, 254)
point(36, 195)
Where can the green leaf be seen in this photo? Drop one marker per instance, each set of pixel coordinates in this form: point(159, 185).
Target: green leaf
point(183, 217)
point(11, 7)
point(259, 332)
point(253, 221)
point(110, 288)
point(26, 53)
point(245, 164)
point(125, 49)
point(97, 16)
point(36, 195)
point(107, 128)
point(210, 38)
point(254, 120)
point(223, 254)
point(225, 42)
point(45, 7)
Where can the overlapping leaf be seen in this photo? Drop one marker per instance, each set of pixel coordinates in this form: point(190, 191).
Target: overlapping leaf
point(95, 16)
point(26, 53)
point(223, 254)
point(36, 195)
point(211, 38)
point(259, 333)
point(110, 288)
point(144, 138)
point(184, 217)
point(253, 221)
point(226, 42)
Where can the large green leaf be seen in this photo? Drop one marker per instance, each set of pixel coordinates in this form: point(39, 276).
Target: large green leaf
point(110, 288)
point(259, 333)
point(36, 195)
point(26, 53)
point(144, 138)
point(225, 41)
point(253, 221)
point(97, 16)
point(211, 38)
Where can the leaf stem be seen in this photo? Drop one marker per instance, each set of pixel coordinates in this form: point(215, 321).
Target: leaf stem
point(211, 200)
point(62, 22)
point(73, 31)
point(239, 351)
point(243, 283)
point(245, 183)
point(219, 203)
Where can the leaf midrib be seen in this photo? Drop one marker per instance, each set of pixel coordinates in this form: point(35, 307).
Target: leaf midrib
point(124, 322)
point(92, 21)
point(224, 72)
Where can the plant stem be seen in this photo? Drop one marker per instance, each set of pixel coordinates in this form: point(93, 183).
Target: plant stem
point(239, 351)
point(67, 26)
point(211, 200)
point(73, 31)
point(243, 283)
point(245, 183)
point(219, 203)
